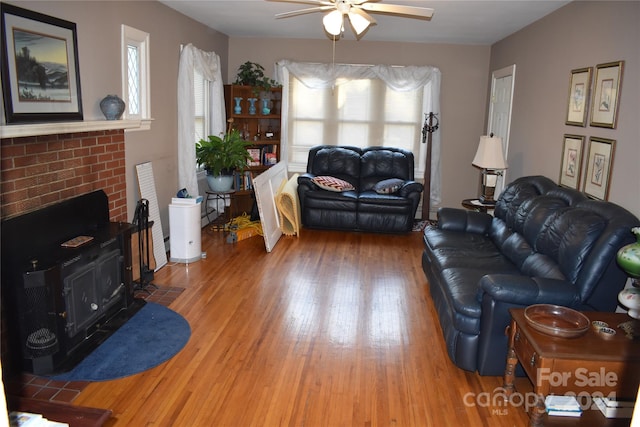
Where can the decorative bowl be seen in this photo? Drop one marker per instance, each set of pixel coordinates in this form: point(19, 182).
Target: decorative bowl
point(599, 324)
point(607, 333)
point(556, 320)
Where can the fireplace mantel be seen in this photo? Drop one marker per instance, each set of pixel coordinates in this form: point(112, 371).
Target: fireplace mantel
point(52, 128)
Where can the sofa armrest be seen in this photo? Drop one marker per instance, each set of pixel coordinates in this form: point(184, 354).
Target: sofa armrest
point(410, 187)
point(305, 182)
point(525, 290)
point(454, 219)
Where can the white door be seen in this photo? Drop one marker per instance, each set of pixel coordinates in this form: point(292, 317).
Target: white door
point(502, 83)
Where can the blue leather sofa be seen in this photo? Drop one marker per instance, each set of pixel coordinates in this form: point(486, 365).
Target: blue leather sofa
point(544, 244)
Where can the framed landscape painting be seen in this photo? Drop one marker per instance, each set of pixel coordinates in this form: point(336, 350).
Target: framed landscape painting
point(40, 75)
point(599, 164)
point(578, 103)
point(571, 167)
point(604, 110)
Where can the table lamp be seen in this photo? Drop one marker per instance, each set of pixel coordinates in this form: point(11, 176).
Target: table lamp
point(490, 159)
point(628, 258)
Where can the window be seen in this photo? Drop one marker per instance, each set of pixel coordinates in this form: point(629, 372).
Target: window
point(360, 105)
point(135, 74)
point(202, 118)
point(360, 112)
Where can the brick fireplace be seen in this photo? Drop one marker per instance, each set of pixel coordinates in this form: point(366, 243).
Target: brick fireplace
point(39, 171)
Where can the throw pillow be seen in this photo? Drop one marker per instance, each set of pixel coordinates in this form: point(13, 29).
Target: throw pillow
point(388, 186)
point(332, 184)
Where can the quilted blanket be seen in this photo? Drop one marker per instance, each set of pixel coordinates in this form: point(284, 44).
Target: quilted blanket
point(288, 206)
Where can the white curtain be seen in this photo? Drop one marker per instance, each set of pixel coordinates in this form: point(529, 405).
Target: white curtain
point(208, 65)
point(398, 78)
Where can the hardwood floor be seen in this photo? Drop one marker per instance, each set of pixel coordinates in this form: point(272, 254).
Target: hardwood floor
point(329, 329)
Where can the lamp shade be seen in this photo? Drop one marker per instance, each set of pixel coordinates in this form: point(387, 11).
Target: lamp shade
point(489, 154)
point(332, 22)
point(358, 22)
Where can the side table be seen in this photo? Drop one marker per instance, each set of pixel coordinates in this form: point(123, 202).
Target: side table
point(224, 217)
point(477, 205)
point(588, 366)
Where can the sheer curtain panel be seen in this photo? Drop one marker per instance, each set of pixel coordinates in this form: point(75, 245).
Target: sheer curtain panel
point(208, 65)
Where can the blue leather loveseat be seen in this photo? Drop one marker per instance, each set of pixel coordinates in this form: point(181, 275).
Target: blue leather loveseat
point(362, 202)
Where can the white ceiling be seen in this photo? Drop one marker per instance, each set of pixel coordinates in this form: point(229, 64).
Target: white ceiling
point(454, 21)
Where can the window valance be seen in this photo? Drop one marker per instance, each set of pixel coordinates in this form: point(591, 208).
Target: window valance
point(322, 76)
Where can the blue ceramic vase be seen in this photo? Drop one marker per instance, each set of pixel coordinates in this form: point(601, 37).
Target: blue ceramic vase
point(112, 107)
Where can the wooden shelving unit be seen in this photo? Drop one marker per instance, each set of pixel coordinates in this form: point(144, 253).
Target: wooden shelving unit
point(262, 130)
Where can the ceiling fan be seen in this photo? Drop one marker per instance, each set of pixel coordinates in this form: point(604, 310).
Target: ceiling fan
point(357, 12)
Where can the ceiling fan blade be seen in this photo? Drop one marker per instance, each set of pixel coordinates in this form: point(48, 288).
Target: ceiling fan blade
point(303, 11)
point(316, 2)
point(396, 9)
point(364, 14)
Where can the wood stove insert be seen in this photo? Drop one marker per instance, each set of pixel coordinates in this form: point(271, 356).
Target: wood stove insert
point(66, 283)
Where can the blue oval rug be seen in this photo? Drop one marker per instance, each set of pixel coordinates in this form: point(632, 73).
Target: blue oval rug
point(152, 336)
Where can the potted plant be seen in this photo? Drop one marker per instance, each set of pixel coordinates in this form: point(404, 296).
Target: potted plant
point(221, 155)
point(252, 74)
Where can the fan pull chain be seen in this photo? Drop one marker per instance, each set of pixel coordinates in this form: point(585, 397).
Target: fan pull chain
point(333, 65)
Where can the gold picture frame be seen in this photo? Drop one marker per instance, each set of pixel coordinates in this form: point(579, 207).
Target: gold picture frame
point(571, 167)
point(597, 179)
point(579, 91)
point(606, 94)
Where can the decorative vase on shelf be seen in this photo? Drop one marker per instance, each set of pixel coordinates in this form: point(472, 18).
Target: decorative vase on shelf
point(265, 106)
point(252, 105)
point(237, 109)
point(112, 107)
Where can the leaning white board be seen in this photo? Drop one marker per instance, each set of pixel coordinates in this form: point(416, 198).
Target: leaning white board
point(265, 186)
point(147, 187)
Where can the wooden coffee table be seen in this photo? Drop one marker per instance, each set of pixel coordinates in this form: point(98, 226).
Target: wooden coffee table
point(588, 366)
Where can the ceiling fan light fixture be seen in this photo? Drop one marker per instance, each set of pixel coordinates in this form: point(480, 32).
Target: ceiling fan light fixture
point(358, 12)
point(359, 23)
point(333, 22)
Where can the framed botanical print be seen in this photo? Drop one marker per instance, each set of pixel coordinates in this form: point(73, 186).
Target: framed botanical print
point(40, 75)
point(599, 164)
point(579, 90)
point(606, 91)
point(571, 167)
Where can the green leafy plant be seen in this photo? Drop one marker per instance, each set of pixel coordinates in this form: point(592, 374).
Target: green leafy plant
point(252, 74)
point(221, 155)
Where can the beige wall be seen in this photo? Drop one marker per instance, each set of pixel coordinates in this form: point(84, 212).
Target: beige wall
point(581, 34)
point(98, 26)
point(463, 93)
point(578, 35)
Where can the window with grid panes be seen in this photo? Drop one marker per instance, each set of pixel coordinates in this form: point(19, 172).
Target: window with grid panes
point(361, 113)
point(135, 73)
